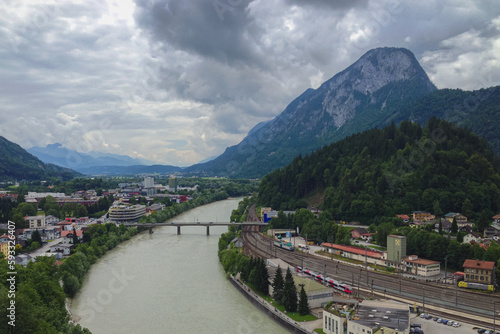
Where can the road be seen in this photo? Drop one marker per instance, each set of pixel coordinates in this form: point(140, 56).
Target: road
point(45, 248)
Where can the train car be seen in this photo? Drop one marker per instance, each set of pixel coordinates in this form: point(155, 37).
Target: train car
point(346, 288)
point(284, 245)
point(477, 286)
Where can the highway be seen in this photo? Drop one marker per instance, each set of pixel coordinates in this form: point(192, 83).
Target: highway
point(429, 293)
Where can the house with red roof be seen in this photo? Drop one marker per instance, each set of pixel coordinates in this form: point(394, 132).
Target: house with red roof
point(479, 271)
point(68, 236)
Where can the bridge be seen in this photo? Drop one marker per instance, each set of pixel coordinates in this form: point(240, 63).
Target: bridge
point(206, 224)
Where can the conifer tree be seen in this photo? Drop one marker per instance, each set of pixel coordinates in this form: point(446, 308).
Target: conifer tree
point(303, 302)
point(289, 293)
point(278, 286)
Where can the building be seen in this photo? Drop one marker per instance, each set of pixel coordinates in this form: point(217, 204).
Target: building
point(405, 218)
point(4, 248)
point(479, 271)
point(366, 318)
point(318, 295)
point(68, 236)
point(172, 184)
point(149, 186)
point(357, 233)
point(35, 221)
point(445, 226)
point(63, 248)
point(460, 218)
point(355, 253)
point(422, 216)
point(396, 248)
point(121, 213)
point(496, 219)
point(421, 267)
point(471, 237)
point(51, 220)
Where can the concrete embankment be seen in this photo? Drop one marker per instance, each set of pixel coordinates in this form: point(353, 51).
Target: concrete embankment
point(269, 309)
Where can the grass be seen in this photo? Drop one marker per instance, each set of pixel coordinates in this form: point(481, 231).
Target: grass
point(293, 315)
point(319, 330)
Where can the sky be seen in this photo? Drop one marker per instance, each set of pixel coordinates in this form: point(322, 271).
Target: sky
point(178, 81)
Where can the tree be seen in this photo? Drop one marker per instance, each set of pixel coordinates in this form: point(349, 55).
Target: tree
point(289, 293)
point(303, 302)
point(278, 286)
point(437, 209)
point(36, 237)
point(467, 208)
point(440, 228)
point(75, 237)
point(454, 225)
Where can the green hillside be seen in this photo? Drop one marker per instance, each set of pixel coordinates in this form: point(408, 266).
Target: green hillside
point(383, 172)
point(17, 164)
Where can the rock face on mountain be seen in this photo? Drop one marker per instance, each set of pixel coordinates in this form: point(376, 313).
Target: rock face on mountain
point(365, 95)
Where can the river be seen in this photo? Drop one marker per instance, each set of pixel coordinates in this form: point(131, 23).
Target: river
point(168, 283)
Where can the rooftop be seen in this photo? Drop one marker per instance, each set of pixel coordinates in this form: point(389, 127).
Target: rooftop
point(488, 265)
point(423, 262)
point(355, 250)
point(375, 314)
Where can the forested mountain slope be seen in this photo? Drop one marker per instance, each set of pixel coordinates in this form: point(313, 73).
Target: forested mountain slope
point(384, 172)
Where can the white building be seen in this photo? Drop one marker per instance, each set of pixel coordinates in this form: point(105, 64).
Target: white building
point(35, 221)
point(366, 318)
point(421, 267)
point(121, 213)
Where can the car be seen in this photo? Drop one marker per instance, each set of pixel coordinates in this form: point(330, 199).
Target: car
point(481, 330)
point(435, 318)
point(450, 323)
point(439, 320)
point(422, 315)
point(416, 325)
point(428, 317)
point(456, 324)
point(488, 332)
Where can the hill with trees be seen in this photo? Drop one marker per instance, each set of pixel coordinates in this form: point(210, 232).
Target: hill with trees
point(17, 164)
point(398, 169)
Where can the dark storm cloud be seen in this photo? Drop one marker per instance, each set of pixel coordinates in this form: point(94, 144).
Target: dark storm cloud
point(201, 27)
point(334, 4)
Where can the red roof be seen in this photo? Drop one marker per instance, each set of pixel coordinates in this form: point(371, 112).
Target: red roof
point(65, 233)
point(488, 265)
point(64, 223)
point(403, 216)
point(496, 217)
point(354, 250)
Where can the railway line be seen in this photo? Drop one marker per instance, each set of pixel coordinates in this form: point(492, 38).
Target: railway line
point(427, 293)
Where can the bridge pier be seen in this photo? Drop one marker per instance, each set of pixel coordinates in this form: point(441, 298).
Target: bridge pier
point(178, 230)
point(150, 230)
point(208, 230)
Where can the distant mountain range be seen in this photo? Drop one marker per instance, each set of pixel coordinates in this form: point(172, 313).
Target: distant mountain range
point(17, 164)
point(385, 85)
point(57, 154)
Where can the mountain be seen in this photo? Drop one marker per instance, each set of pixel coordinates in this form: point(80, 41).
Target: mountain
point(365, 95)
point(17, 164)
point(58, 155)
point(130, 170)
point(395, 170)
point(477, 110)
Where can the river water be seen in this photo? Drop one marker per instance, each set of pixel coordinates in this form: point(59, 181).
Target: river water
point(169, 283)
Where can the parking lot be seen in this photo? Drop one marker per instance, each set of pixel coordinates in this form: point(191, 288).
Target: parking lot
point(431, 326)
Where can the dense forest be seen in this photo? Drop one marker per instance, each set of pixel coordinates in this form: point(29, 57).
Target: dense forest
point(398, 169)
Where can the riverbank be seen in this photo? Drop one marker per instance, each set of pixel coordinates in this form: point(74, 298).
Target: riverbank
point(271, 311)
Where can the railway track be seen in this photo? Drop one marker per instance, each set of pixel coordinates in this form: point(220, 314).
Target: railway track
point(427, 293)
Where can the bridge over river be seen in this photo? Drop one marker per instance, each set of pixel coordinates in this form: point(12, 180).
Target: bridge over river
point(206, 224)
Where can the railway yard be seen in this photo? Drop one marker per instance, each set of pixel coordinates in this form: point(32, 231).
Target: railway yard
point(437, 299)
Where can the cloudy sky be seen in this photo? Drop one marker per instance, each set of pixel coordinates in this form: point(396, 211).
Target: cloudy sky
point(177, 81)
